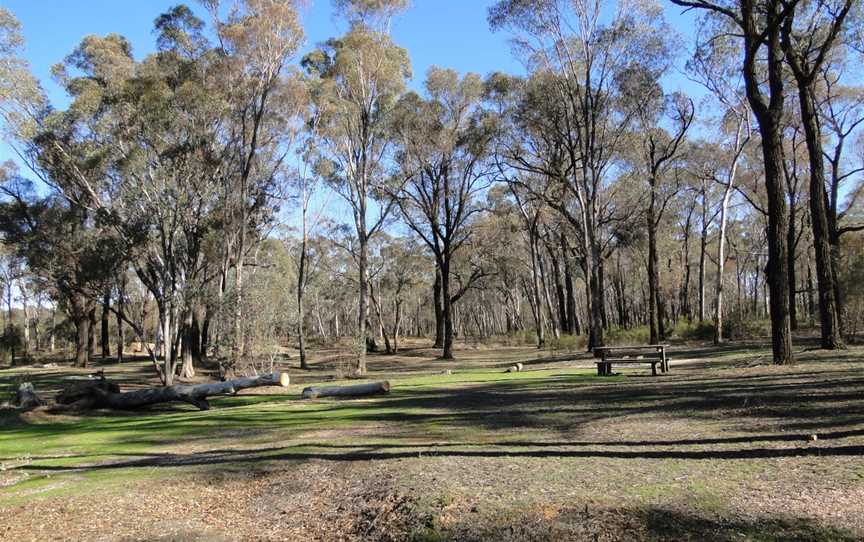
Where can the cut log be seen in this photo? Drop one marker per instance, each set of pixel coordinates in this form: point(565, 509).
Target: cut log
point(99, 396)
point(357, 390)
point(78, 390)
point(26, 398)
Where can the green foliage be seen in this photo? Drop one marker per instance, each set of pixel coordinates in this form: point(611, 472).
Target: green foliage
point(636, 335)
point(736, 327)
point(567, 343)
point(694, 331)
point(11, 340)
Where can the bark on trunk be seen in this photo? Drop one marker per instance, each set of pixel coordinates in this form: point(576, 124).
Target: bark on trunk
point(104, 338)
point(98, 397)
point(825, 273)
point(358, 390)
point(439, 311)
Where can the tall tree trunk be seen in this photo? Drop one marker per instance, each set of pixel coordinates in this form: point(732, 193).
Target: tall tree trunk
point(104, 338)
point(568, 287)
point(825, 274)
point(448, 310)
point(439, 311)
point(121, 314)
point(546, 297)
point(301, 286)
point(811, 298)
point(537, 303)
point(769, 113)
point(189, 337)
point(721, 242)
point(91, 331)
point(559, 291)
point(82, 333)
point(790, 257)
point(777, 272)
point(363, 341)
point(653, 271)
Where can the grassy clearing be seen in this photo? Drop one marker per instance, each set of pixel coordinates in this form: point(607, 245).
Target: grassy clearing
point(720, 449)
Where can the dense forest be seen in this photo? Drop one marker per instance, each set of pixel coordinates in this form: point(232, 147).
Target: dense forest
point(237, 195)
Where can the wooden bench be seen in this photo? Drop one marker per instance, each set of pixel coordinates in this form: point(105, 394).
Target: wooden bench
point(608, 357)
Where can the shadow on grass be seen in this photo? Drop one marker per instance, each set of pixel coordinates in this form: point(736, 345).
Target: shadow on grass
point(637, 524)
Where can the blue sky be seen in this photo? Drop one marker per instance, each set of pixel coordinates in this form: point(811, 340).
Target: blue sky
point(448, 33)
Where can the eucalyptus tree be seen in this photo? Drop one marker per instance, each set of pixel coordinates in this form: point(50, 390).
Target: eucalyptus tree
point(841, 110)
point(811, 32)
point(70, 254)
point(149, 146)
point(444, 147)
point(656, 152)
point(22, 100)
point(758, 23)
point(714, 66)
point(577, 55)
point(263, 100)
point(357, 80)
point(307, 184)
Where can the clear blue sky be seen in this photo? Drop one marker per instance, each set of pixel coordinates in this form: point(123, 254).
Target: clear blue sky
point(448, 33)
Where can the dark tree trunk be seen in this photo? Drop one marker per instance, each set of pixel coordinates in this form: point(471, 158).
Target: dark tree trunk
point(439, 311)
point(653, 274)
point(777, 270)
point(825, 274)
point(447, 347)
point(790, 241)
point(703, 250)
point(91, 331)
point(104, 338)
point(82, 328)
point(559, 292)
point(769, 115)
point(572, 325)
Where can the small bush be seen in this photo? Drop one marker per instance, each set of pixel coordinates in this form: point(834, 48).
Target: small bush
point(636, 335)
point(694, 331)
point(736, 327)
point(567, 343)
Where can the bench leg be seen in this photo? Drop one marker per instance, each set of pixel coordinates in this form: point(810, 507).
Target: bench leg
point(653, 369)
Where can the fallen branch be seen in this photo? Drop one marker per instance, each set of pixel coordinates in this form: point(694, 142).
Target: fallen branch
point(97, 396)
point(373, 388)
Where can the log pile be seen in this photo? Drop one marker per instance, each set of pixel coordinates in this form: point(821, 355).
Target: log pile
point(105, 394)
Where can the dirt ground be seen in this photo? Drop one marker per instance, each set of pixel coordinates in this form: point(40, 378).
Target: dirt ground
point(724, 447)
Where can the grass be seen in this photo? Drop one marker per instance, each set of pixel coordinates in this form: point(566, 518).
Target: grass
point(720, 446)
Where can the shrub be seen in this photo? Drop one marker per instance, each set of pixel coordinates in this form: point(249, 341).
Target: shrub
point(567, 343)
point(694, 331)
point(636, 335)
point(736, 327)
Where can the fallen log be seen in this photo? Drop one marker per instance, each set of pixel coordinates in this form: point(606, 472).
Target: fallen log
point(101, 396)
point(357, 390)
